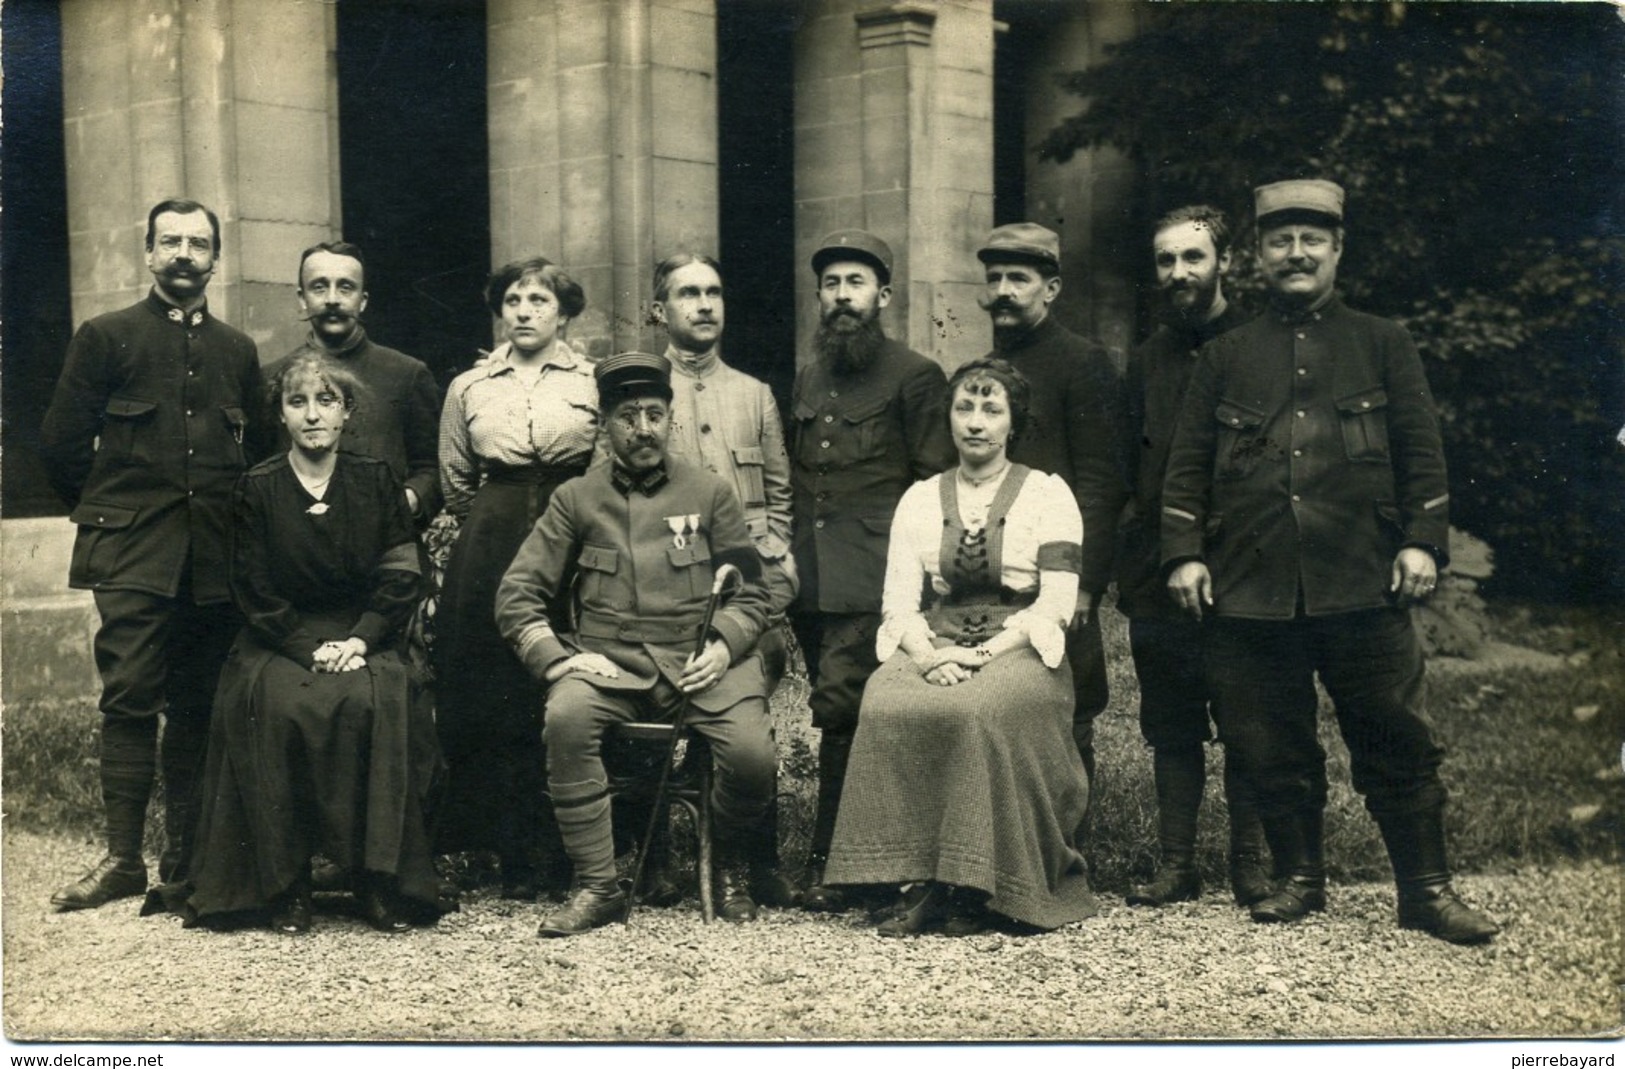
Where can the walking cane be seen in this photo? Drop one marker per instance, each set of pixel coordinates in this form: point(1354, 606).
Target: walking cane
point(724, 573)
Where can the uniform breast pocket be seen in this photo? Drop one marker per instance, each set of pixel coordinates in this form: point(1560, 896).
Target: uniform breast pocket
point(128, 430)
point(1364, 417)
point(1241, 442)
point(862, 434)
point(752, 487)
point(692, 565)
point(598, 587)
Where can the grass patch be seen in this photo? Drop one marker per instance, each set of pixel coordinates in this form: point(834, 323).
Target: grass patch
point(1533, 763)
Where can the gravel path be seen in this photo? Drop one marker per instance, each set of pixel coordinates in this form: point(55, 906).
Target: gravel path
point(1193, 971)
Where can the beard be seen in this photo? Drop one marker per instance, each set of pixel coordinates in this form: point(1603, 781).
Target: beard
point(1191, 303)
point(849, 349)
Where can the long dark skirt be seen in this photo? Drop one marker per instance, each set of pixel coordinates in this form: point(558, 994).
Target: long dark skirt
point(976, 785)
point(300, 763)
point(489, 709)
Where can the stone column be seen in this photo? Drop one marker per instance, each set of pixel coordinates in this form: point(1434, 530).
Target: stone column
point(1090, 199)
point(603, 133)
point(233, 103)
point(894, 114)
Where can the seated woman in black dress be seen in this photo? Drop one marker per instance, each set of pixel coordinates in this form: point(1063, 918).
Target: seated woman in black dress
point(322, 738)
point(964, 784)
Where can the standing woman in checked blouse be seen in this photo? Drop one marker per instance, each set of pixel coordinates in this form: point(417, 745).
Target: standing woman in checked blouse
point(514, 428)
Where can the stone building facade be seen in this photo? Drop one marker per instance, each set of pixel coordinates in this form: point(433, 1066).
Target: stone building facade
point(604, 125)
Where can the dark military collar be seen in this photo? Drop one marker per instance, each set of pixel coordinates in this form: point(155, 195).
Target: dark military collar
point(1026, 339)
point(160, 307)
point(646, 483)
point(1292, 317)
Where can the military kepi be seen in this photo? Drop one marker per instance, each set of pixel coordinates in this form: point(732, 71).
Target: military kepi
point(1309, 196)
point(627, 375)
point(1022, 241)
point(857, 245)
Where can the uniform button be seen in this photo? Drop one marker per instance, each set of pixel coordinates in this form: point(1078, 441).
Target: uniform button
point(100, 518)
point(1297, 452)
point(818, 524)
point(188, 411)
point(705, 428)
point(1234, 422)
point(824, 444)
point(1302, 335)
point(190, 451)
point(1295, 497)
point(1300, 413)
point(1303, 371)
point(835, 393)
point(699, 387)
point(189, 493)
point(829, 419)
point(1365, 404)
point(190, 373)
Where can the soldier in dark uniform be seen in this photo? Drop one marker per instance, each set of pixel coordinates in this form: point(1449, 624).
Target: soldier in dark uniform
point(1191, 249)
point(1076, 432)
point(867, 422)
point(157, 413)
point(647, 534)
point(1305, 509)
point(397, 416)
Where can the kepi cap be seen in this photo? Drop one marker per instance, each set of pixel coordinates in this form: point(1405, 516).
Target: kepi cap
point(632, 375)
point(1315, 196)
point(854, 245)
point(1022, 241)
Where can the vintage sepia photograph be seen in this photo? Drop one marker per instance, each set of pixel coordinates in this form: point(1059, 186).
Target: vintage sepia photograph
point(842, 524)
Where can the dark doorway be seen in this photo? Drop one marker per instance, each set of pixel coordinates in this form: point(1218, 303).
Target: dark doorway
point(1020, 31)
point(756, 186)
point(412, 151)
point(36, 316)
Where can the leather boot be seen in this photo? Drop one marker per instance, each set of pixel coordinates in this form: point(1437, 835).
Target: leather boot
point(592, 906)
point(833, 752)
point(1179, 774)
point(111, 878)
point(734, 902)
point(1250, 878)
point(180, 756)
point(1297, 841)
point(1427, 902)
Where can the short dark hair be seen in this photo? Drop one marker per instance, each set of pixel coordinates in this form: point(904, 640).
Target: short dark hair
point(545, 271)
point(1209, 218)
point(181, 206)
point(665, 268)
point(1016, 388)
point(337, 248)
point(320, 367)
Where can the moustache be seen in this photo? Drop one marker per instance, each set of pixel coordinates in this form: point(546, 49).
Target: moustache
point(324, 313)
point(999, 304)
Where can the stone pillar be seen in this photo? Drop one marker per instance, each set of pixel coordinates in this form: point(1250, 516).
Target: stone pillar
point(233, 103)
point(603, 133)
point(894, 114)
point(1091, 199)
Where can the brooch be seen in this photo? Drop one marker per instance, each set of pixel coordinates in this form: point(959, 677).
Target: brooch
point(318, 509)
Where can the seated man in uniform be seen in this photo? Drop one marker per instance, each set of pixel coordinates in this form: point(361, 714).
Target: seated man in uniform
point(646, 535)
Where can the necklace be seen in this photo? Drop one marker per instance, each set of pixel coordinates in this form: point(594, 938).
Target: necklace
point(983, 480)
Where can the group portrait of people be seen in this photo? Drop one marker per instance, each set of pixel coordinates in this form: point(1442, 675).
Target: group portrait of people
point(649, 537)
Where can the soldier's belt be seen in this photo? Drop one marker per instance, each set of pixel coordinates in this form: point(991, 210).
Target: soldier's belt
point(662, 632)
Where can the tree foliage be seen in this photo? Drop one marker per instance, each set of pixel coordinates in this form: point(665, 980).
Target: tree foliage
point(1480, 148)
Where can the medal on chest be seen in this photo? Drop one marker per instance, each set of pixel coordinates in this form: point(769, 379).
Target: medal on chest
point(683, 529)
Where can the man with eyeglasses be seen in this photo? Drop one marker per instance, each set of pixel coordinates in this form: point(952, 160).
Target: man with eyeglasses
point(158, 410)
point(646, 534)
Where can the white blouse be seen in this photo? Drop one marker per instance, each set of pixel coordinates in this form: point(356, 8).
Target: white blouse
point(1044, 511)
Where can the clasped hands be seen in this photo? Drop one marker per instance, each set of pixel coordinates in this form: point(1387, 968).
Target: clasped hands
point(700, 672)
point(341, 656)
point(950, 665)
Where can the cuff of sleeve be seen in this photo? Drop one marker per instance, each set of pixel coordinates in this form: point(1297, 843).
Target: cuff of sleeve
point(1048, 636)
point(772, 547)
point(734, 635)
point(894, 629)
point(370, 629)
point(539, 649)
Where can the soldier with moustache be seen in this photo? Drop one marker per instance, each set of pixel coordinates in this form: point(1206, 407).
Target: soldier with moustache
point(1075, 431)
point(1191, 252)
point(397, 416)
point(159, 409)
point(868, 422)
point(647, 534)
point(1305, 509)
point(728, 423)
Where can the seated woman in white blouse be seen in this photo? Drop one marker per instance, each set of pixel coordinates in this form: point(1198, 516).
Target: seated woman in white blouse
point(964, 785)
